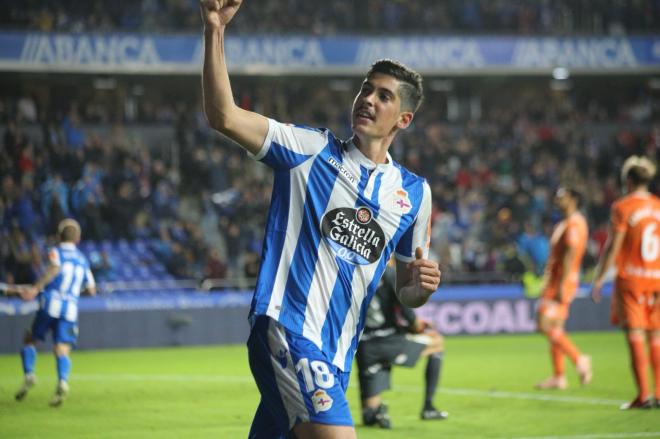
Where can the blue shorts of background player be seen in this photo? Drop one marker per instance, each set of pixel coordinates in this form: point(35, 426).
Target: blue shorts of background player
point(62, 330)
point(297, 383)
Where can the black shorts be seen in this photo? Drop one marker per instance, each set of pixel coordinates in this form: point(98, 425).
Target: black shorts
point(376, 356)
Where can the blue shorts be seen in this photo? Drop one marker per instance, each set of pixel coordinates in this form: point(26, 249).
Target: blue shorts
point(62, 330)
point(296, 381)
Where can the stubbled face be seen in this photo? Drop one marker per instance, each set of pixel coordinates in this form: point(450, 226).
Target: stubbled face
point(377, 108)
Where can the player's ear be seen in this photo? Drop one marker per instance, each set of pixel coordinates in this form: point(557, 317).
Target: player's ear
point(405, 119)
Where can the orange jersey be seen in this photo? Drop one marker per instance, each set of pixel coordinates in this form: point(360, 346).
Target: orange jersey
point(571, 232)
point(638, 216)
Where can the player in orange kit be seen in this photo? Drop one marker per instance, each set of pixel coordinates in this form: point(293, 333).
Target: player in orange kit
point(634, 246)
point(561, 280)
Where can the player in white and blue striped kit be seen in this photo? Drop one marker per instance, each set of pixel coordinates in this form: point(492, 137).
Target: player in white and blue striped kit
point(57, 291)
point(338, 210)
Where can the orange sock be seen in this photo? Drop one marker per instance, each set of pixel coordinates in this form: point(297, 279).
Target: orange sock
point(564, 344)
point(639, 363)
point(655, 362)
point(557, 360)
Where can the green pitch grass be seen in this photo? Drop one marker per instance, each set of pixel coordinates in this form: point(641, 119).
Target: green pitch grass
point(203, 392)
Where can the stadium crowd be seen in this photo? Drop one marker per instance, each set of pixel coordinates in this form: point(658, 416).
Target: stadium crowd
point(492, 177)
point(554, 17)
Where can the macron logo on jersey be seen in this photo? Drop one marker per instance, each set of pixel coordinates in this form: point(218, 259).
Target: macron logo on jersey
point(342, 170)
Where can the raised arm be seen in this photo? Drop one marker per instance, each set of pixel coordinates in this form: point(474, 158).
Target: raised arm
point(247, 128)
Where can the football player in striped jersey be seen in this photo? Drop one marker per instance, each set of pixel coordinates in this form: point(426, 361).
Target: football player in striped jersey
point(57, 291)
point(339, 210)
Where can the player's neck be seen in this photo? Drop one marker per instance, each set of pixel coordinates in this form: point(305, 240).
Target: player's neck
point(638, 190)
point(374, 149)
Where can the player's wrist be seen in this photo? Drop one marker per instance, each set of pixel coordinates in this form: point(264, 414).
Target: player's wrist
point(211, 29)
point(413, 296)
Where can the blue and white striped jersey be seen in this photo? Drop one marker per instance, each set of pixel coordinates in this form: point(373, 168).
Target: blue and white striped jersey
point(335, 218)
point(60, 297)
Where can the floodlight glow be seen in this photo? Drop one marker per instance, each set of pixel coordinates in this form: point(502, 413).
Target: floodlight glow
point(560, 73)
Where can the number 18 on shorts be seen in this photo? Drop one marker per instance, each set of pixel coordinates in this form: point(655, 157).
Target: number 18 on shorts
point(297, 383)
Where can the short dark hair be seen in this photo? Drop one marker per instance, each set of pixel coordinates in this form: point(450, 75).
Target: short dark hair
point(574, 193)
point(69, 230)
point(410, 90)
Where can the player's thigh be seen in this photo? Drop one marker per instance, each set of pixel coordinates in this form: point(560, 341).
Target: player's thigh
point(296, 382)
point(435, 345)
point(551, 314)
point(654, 314)
point(65, 332)
point(374, 380)
point(280, 402)
point(411, 348)
point(631, 309)
point(309, 430)
point(374, 353)
point(41, 324)
point(265, 425)
point(373, 368)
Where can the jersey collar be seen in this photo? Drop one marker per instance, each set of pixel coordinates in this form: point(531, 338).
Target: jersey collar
point(354, 153)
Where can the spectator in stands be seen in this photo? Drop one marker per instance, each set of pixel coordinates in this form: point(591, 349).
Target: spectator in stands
point(19, 264)
point(74, 136)
point(215, 267)
point(534, 247)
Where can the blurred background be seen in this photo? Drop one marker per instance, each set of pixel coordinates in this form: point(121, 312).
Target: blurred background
point(100, 110)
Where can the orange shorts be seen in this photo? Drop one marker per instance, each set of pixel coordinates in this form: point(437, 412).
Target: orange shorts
point(553, 310)
point(550, 308)
point(635, 307)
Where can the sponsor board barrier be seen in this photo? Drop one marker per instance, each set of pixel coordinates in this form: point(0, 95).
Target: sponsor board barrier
point(142, 319)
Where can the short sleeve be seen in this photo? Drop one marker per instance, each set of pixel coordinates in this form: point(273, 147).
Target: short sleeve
point(419, 233)
point(89, 279)
point(573, 236)
point(54, 257)
point(618, 216)
point(287, 146)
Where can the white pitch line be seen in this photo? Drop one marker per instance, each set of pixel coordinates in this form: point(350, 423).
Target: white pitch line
point(596, 436)
point(248, 379)
point(174, 378)
point(532, 396)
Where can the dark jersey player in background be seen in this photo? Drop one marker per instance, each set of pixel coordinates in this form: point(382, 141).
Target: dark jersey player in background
point(395, 336)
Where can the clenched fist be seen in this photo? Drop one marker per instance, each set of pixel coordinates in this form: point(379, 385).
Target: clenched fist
point(217, 13)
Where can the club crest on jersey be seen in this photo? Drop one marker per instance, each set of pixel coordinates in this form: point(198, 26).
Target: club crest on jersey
point(322, 401)
point(353, 234)
point(401, 201)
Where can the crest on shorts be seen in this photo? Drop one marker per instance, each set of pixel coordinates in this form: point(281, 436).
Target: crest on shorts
point(322, 401)
point(401, 359)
